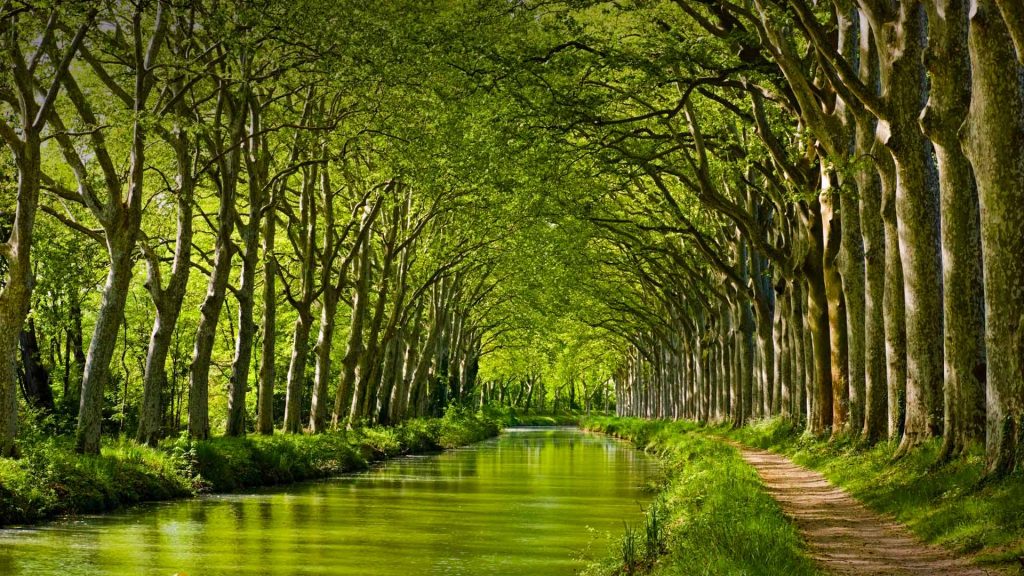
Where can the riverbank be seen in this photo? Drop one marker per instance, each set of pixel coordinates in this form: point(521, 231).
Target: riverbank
point(51, 480)
point(711, 514)
point(951, 504)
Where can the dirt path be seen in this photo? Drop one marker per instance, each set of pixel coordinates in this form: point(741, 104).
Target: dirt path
point(843, 535)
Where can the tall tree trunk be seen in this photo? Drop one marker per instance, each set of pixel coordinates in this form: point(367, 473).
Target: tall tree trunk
point(893, 302)
point(33, 113)
point(962, 297)
point(297, 373)
point(876, 393)
point(820, 417)
point(303, 305)
point(268, 366)
point(238, 384)
point(993, 139)
point(209, 315)
point(869, 192)
point(354, 348)
point(168, 301)
point(104, 340)
point(902, 40)
point(322, 373)
point(401, 397)
point(121, 218)
point(16, 294)
point(837, 321)
point(852, 274)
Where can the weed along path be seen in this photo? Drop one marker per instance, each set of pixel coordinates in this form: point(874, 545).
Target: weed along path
point(843, 535)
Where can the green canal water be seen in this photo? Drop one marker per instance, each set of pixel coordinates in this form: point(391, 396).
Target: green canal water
point(530, 502)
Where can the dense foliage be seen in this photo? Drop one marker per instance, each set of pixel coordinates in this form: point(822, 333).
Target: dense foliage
point(307, 216)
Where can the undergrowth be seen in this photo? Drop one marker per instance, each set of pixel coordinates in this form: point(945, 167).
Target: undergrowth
point(50, 479)
point(711, 516)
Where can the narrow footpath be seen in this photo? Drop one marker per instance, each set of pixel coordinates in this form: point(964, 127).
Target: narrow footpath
point(843, 535)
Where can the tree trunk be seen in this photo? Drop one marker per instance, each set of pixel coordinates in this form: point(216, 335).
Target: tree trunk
point(893, 302)
point(1013, 18)
point(168, 303)
point(962, 296)
point(869, 192)
point(35, 378)
point(268, 365)
point(354, 349)
point(917, 218)
point(993, 139)
point(16, 294)
point(209, 315)
point(303, 305)
point(322, 373)
point(297, 373)
point(820, 418)
point(104, 340)
point(836, 301)
point(238, 384)
point(875, 388)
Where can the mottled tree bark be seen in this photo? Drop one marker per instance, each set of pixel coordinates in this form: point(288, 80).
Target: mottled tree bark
point(962, 297)
point(354, 348)
point(893, 301)
point(869, 192)
point(901, 36)
point(819, 418)
point(993, 136)
point(836, 301)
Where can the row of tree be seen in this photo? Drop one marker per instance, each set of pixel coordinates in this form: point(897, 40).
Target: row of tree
point(233, 168)
point(810, 209)
point(737, 209)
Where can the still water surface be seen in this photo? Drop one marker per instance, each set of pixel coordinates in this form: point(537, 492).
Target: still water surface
point(532, 501)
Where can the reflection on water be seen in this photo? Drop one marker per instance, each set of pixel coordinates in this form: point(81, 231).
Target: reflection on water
point(532, 501)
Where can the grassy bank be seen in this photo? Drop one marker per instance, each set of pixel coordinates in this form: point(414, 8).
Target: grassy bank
point(52, 480)
point(711, 515)
point(951, 504)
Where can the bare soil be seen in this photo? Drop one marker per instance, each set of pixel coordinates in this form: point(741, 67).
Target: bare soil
point(843, 535)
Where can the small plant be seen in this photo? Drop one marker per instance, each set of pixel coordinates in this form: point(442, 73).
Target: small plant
point(629, 549)
point(185, 459)
point(654, 530)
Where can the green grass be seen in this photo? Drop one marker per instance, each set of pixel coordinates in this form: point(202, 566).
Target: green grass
point(711, 516)
point(52, 480)
point(953, 504)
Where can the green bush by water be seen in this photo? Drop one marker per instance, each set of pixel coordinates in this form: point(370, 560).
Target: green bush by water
point(712, 515)
point(51, 479)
